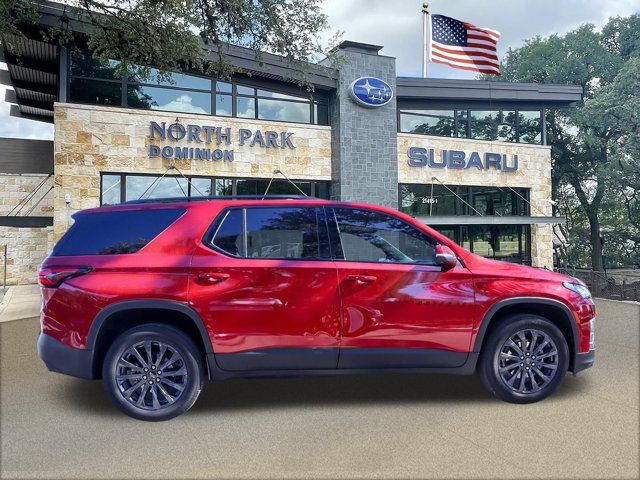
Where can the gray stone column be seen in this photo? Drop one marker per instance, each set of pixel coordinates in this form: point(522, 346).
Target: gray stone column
point(364, 140)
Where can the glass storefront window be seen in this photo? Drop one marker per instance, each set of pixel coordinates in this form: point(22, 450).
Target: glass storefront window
point(224, 87)
point(139, 187)
point(420, 199)
point(171, 79)
point(429, 122)
point(503, 125)
point(223, 187)
point(246, 107)
point(111, 190)
point(281, 96)
point(224, 105)
point(506, 133)
point(157, 98)
point(83, 64)
point(242, 90)
point(247, 187)
point(483, 125)
point(200, 187)
point(510, 243)
point(269, 109)
point(320, 113)
point(282, 187)
point(94, 82)
point(95, 92)
point(530, 127)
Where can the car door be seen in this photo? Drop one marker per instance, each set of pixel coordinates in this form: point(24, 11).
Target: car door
point(399, 309)
point(268, 290)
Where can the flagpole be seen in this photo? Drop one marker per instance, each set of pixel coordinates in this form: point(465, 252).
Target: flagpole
point(425, 37)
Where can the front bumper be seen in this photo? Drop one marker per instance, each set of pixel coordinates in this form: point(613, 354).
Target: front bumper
point(583, 361)
point(61, 358)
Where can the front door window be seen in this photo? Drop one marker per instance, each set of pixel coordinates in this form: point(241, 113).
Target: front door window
point(368, 236)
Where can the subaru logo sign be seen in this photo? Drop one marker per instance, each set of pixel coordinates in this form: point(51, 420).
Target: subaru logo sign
point(371, 92)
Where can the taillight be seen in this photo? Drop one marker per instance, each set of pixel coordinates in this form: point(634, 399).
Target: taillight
point(52, 277)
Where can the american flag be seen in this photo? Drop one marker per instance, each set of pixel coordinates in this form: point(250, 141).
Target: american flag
point(463, 45)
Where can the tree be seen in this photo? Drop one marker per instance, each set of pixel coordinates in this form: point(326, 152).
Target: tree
point(174, 35)
point(593, 145)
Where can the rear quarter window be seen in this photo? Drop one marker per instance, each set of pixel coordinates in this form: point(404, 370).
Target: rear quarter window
point(116, 232)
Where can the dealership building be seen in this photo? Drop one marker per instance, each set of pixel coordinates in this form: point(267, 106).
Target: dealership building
point(469, 158)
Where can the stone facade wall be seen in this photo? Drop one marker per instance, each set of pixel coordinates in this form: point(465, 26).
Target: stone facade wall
point(26, 247)
point(534, 173)
point(93, 139)
point(15, 188)
point(364, 139)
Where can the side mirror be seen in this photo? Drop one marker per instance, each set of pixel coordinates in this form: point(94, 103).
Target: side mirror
point(445, 257)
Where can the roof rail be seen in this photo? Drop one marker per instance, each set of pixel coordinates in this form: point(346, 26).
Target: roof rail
point(218, 197)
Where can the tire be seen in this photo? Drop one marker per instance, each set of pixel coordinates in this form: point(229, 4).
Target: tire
point(159, 395)
point(504, 365)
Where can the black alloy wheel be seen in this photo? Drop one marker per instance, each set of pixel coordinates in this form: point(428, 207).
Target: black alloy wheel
point(153, 372)
point(524, 359)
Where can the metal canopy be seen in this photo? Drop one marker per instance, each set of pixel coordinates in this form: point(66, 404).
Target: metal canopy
point(32, 72)
point(469, 93)
point(489, 220)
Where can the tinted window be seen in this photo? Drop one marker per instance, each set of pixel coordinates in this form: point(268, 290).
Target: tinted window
point(157, 98)
point(228, 236)
point(111, 189)
point(107, 233)
point(138, 187)
point(95, 91)
point(200, 186)
point(368, 236)
point(153, 76)
point(269, 109)
point(289, 232)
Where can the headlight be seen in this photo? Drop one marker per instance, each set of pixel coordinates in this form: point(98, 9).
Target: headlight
point(579, 289)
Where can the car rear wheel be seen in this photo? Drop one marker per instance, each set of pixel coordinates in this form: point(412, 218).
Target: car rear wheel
point(524, 359)
point(153, 372)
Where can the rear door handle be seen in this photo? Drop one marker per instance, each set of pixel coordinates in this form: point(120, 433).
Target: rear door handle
point(362, 279)
point(211, 278)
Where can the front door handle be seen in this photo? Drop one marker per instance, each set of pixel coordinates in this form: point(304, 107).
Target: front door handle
point(362, 279)
point(211, 278)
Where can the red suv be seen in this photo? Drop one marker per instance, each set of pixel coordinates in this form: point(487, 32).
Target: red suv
point(155, 297)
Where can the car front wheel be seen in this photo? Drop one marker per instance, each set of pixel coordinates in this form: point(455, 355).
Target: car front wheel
point(524, 359)
point(153, 372)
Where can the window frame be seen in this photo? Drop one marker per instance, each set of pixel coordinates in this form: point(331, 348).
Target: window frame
point(333, 226)
point(469, 193)
point(324, 243)
point(125, 83)
point(190, 192)
point(463, 127)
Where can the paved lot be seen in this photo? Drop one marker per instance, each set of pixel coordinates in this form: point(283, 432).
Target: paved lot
point(364, 426)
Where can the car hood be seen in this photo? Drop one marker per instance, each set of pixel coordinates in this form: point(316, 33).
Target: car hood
point(476, 263)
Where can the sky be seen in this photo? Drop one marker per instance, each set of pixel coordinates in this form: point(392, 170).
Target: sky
point(397, 25)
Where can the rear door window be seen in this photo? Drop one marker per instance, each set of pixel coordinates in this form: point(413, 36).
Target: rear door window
point(229, 235)
point(273, 232)
point(283, 232)
point(115, 232)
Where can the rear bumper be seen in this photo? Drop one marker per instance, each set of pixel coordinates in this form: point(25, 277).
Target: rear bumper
point(584, 361)
point(61, 358)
